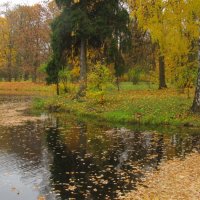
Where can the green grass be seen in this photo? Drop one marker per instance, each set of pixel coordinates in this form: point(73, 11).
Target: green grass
point(139, 86)
point(134, 104)
point(170, 110)
point(38, 104)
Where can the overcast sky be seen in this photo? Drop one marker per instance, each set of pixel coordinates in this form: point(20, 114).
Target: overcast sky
point(13, 3)
point(21, 2)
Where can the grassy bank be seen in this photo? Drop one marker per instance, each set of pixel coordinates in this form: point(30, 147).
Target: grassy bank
point(26, 88)
point(133, 104)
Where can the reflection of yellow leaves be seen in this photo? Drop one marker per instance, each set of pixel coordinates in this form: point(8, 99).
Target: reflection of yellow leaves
point(41, 198)
point(72, 187)
point(104, 182)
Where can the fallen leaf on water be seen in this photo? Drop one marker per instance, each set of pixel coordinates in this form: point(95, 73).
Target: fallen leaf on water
point(13, 189)
point(41, 198)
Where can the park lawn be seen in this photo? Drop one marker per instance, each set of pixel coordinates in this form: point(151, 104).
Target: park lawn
point(147, 106)
point(26, 88)
point(133, 104)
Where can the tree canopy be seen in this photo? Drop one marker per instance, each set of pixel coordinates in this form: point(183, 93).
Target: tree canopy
point(89, 24)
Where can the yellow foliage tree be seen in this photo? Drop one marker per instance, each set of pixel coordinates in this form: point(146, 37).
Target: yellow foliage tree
point(7, 48)
point(172, 30)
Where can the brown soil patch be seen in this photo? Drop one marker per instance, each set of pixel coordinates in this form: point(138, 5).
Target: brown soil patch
point(173, 181)
point(12, 114)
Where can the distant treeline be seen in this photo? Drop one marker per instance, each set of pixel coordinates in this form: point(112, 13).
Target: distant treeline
point(25, 40)
point(154, 41)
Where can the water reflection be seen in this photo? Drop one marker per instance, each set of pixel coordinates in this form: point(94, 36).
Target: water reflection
point(91, 162)
point(63, 158)
point(79, 173)
point(22, 162)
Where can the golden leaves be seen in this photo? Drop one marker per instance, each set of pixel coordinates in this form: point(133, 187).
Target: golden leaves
point(175, 180)
point(41, 198)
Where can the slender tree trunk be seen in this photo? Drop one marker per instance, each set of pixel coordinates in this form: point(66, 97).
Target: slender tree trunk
point(162, 83)
point(196, 102)
point(9, 65)
point(37, 60)
point(34, 76)
point(57, 88)
point(9, 72)
point(16, 73)
point(83, 69)
point(26, 76)
point(35, 66)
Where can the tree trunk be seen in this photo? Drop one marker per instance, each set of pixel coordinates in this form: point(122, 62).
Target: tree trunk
point(26, 76)
point(162, 83)
point(34, 75)
point(57, 88)
point(9, 77)
point(196, 102)
point(35, 66)
point(83, 69)
point(9, 65)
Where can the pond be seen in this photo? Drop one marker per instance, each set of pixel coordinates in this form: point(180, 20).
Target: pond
point(62, 157)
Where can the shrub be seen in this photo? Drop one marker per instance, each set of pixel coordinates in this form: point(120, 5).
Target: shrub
point(134, 75)
point(100, 80)
point(64, 78)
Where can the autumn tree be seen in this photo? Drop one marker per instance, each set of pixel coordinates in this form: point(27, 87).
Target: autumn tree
point(3, 44)
point(174, 25)
point(8, 47)
point(150, 17)
point(193, 12)
point(141, 56)
point(33, 35)
point(88, 24)
point(26, 33)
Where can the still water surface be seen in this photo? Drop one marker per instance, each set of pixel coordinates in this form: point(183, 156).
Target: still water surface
point(62, 157)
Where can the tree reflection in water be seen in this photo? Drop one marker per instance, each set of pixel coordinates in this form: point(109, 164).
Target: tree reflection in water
point(103, 163)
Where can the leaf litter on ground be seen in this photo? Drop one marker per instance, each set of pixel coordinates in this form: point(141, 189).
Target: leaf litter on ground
point(175, 180)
